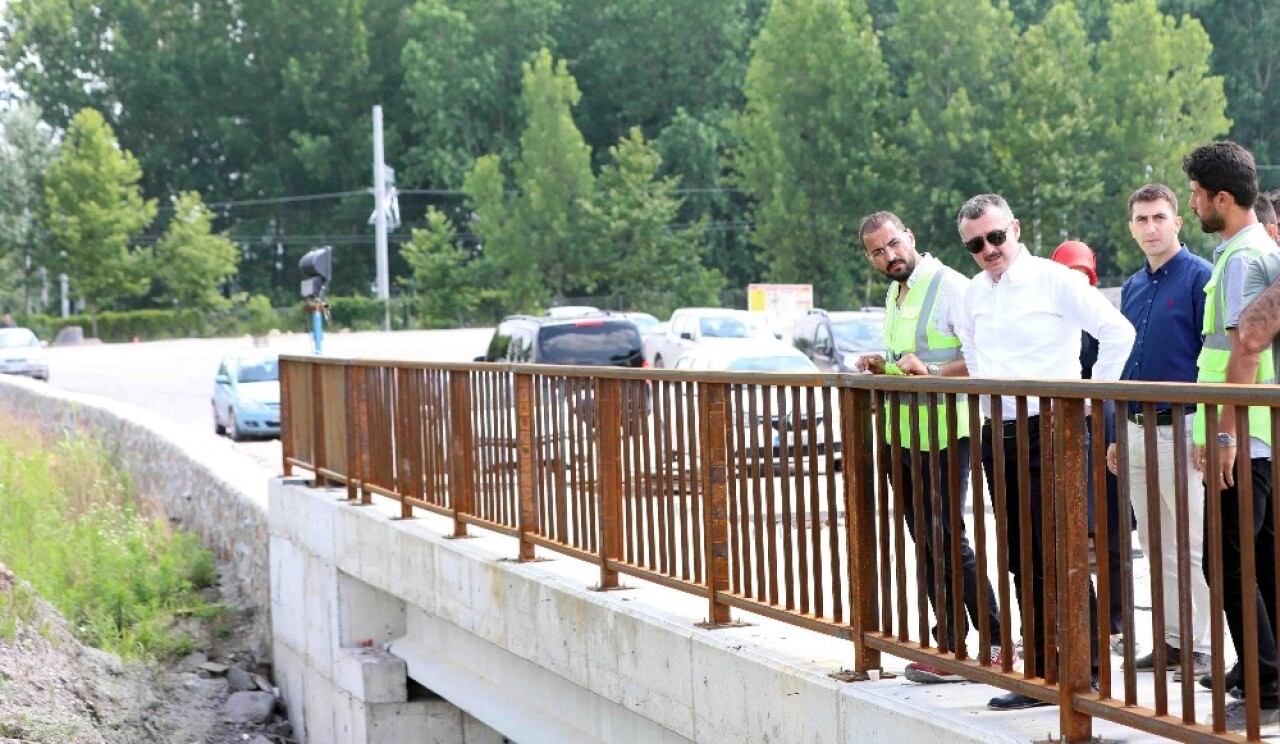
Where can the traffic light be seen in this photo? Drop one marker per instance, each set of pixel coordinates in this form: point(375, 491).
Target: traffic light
point(317, 269)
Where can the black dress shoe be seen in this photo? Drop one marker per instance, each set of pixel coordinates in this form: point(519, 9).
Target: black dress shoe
point(1014, 701)
point(1234, 679)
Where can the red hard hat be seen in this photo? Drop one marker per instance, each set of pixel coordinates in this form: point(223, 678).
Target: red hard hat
point(1076, 255)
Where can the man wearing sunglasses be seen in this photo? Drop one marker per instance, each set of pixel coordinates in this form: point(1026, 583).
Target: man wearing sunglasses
point(919, 339)
point(1224, 187)
point(1022, 317)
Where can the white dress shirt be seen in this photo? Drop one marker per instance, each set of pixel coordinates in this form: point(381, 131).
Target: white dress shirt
point(1027, 326)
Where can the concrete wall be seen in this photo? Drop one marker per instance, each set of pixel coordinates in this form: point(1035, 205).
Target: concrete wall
point(531, 651)
point(202, 484)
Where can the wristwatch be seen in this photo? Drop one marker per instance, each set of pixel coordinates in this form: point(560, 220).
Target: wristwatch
point(1226, 440)
point(933, 369)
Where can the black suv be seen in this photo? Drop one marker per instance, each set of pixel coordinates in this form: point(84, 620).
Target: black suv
point(594, 340)
point(835, 340)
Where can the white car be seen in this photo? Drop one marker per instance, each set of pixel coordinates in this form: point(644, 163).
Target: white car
point(691, 326)
point(22, 354)
point(777, 433)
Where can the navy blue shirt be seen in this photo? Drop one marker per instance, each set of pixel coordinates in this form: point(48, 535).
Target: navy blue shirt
point(1166, 308)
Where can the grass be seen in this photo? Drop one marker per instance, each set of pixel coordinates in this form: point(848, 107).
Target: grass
point(72, 527)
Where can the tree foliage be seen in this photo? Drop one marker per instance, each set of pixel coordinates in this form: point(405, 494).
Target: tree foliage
point(26, 149)
point(779, 124)
point(191, 264)
point(655, 267)
point(91, 207)
point(450, 286)
point(811, 145)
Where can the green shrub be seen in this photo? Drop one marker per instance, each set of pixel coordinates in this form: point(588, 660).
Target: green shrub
point(73, 529)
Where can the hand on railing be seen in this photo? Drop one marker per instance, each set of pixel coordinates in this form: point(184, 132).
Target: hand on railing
point(1113, 459)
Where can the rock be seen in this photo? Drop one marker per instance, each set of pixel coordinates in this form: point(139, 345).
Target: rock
point(263, 683)
point(260, 739)
point(213, 667)
point(240, 680)
point(192, 662)
point(249, 707)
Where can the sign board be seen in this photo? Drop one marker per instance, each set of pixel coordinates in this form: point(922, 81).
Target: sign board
point(782, 303)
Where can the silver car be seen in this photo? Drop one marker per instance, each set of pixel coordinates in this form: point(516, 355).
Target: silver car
point(22, 354)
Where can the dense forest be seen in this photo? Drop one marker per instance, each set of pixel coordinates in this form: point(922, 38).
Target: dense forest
point(186, 153)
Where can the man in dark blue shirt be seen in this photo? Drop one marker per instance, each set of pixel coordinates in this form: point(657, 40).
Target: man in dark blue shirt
point(1165, 302)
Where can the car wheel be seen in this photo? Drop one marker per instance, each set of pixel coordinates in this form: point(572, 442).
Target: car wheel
point(233, 430)
point(658, 363)
point(218, 428)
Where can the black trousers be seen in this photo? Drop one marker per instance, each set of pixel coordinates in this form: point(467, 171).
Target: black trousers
point(1264, 546)
point(1013, 535)
point(968, 561)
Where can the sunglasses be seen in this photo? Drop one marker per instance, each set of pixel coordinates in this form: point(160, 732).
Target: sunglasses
point(995, 237)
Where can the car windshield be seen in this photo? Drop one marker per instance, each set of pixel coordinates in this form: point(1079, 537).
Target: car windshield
point(771, 364)
point(731, 326)
point(859, 334)
point(645, 323)
point(259, 370)
point(17, 337)
point(591, 343)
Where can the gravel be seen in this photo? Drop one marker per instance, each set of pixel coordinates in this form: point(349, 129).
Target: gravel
point(54, 689)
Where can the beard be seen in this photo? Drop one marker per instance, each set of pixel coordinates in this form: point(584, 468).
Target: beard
point(1212, 223)
point(900, 271)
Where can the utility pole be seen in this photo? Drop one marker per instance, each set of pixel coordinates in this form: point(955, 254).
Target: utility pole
point(380, 210)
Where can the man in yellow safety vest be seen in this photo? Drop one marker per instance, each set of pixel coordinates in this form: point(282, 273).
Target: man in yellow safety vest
point(1224, 186)
point(919, 340)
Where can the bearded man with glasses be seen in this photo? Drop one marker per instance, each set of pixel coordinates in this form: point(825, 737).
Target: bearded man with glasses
point(1021, 318)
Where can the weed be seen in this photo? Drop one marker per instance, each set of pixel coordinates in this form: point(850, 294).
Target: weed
point(74, 530)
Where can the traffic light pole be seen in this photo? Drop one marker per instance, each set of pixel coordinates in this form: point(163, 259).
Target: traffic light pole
point(317, 327)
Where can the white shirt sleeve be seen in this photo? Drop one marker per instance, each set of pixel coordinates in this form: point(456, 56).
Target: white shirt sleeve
point(1084, 306)
point(962, 319)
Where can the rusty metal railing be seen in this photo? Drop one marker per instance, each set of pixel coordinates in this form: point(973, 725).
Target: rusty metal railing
point(774, 494)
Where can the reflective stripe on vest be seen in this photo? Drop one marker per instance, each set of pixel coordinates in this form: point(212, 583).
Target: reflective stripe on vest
point(908, 329)
point(1216, 351)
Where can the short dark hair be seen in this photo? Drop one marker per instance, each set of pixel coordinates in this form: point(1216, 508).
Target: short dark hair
point(1274, 196)
point(978, 205)
point(875, 221)
point(1265, 210)
point(1224, 166)
point(1154, 192)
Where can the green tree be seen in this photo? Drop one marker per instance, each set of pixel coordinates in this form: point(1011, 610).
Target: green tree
point(1155, 107)
point(810, 148)
point(192, 264)
point(655, 267)
point(462, 81)
point(536, 236)
point(26, 149)
point(1044, 148)
point(1247, 56)
point(949, 63)
point(91, 207)
point(450, 287)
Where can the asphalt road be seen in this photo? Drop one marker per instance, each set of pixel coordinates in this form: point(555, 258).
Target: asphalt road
point(175, 378)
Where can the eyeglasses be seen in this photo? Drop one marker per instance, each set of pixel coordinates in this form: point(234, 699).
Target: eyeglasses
point(995, 237)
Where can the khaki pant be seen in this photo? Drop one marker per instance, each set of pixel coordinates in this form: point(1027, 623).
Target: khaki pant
point(1199, 630)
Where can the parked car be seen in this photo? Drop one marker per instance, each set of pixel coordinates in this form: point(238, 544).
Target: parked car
point(246, 395)
point(692, 326)
point(835, 340)
point(783, 428)
point(22, 354)
point(571, 311)
point(645, 322)
point(598, 340)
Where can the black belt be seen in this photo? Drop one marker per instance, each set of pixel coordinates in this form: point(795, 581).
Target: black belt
point(1162, 418)
point(1010, 428)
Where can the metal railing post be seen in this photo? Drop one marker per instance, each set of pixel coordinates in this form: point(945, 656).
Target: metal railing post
point(317, 424)
point(609, 443)
point(715, 474)
point(287, 407)
point(527, 523)
point(858, 446)
point(1070, 504)
point(462, 464)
